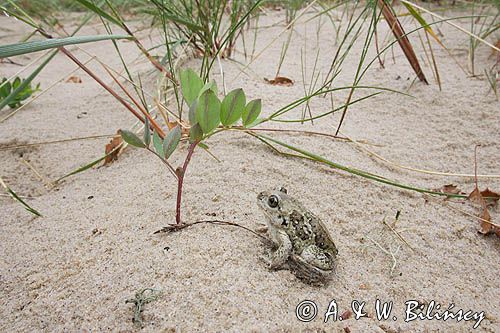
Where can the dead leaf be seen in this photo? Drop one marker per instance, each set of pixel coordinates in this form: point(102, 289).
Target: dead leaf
point(113, 145)
point(490, 197)
point(478, 197)
point(184, 127)
point(280, 81)
point(475, 196)
point(171, 124)
point(74, 79)
point(346, 314)
point(486, 227)
point(449, 189)
point(387, 329)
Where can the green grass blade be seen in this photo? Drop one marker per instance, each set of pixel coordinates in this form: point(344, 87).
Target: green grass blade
point(18, 199)
point(96, 9)
point(26, 82)
point(176, 18)
point(29, 47)
point(326, 113)
point(89, 165)
point(193, 26)
point(421, 20)
point(322, 91)
point(357, 172)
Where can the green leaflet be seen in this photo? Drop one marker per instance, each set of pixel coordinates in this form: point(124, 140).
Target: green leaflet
point(232, 107)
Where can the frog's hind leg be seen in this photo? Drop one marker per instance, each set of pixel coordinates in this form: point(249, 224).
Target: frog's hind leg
point(317, 257)
point(307, 272)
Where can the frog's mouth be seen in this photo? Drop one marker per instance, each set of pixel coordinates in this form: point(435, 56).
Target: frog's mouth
point(261, 196)
point(262, 202)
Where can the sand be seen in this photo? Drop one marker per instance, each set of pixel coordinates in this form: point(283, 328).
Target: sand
point(94, 247)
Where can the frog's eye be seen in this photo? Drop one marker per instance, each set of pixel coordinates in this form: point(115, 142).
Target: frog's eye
point(273, 201)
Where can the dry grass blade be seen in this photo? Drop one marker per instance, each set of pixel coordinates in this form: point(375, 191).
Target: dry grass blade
point(452, 24)
point(46, 182)
point(176, 227)
point(43, 92)
point(404, 42)
point(297, 17)
point(430, 172)
point(55, 141)
point(153, 123)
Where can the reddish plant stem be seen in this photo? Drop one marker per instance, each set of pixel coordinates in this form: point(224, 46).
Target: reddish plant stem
point(153, 123)
point(98, 80)
point(148, 55)
point(181, 171)
point(105, 86)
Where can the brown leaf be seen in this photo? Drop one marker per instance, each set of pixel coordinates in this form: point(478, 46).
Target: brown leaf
point(74, 79)
point(486, 227)
point(113, 144)
point(490, 197)
point(346, 314)
point(171, 124)
point(280, 81)
point(184, 127)
point(477, 197)
point(449, 189)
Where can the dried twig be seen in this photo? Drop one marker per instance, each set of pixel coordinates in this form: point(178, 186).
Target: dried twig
point(177, 227)
point(389, 252)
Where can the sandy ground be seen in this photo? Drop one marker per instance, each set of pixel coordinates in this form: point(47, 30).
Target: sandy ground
point(94, 247)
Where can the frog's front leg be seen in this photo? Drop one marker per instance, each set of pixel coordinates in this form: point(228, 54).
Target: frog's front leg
point(282, 253)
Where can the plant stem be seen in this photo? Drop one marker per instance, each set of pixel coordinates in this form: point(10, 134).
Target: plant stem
point(181, 171)
point(169, 166)
point(97, 79)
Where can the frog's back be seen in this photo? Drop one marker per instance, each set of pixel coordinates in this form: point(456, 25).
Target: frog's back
point(313, 259)
point(307, 229)
point(322, 238)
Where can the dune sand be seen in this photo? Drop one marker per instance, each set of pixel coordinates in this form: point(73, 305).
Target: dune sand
point(94, 247)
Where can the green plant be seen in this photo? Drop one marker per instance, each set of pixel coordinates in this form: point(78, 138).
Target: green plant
point(203, 22)
point(207, 116)
point(24, 91)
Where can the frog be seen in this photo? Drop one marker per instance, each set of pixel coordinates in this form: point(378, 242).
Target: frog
point(301, 240)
